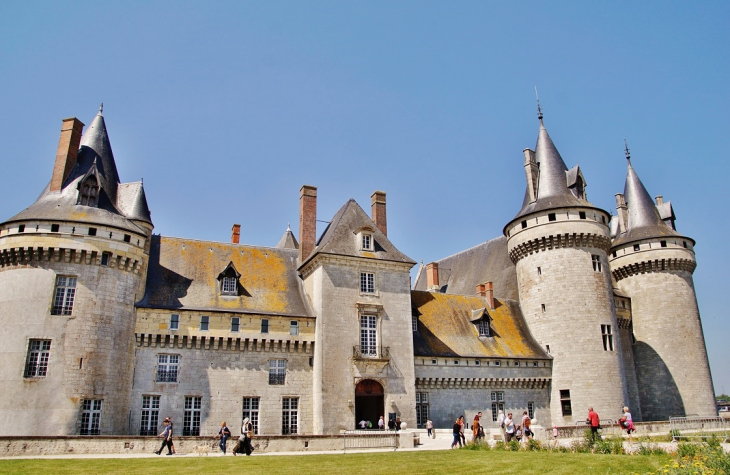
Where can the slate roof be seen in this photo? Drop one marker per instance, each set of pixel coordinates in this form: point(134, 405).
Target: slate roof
point(339, 238)
point(487, 262)
point(288, 241)
point(645, 220)
point(445, 328)
point(183, 274)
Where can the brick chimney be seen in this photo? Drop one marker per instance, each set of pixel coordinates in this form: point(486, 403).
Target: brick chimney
point(432, 276)
point(481, 290)
point(307, 221)
point(236, 233)
point(68, 150)
point(377, 200)
point(489, 294)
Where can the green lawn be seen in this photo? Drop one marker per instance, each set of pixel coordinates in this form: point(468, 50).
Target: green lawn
point(436, 462)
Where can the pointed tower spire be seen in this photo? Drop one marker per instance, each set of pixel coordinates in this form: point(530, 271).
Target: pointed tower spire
point(642, 212)
point(95, 146)
point(288, 241)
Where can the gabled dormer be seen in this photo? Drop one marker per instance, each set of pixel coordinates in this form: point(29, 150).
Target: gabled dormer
point(576, 183)
point(364, 239)
point(481, 321)
point(229, 281)
point(89, 187)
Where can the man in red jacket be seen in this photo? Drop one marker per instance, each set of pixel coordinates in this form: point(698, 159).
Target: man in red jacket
point(594, 422)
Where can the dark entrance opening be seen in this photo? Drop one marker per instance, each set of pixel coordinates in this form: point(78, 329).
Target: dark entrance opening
point(368, 402)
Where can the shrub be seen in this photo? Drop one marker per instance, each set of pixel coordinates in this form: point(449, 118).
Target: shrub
point(612, 445)
point(476, 445)
point(513, 445)
point(533, 445)
point(650, 449)
point(686, 449)
point(499, 445)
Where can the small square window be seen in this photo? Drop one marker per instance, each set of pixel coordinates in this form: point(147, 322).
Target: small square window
point(21, 228)
point(235, 324)
point(456, 361)
point(524, 224)
point(92, 231)
point(204, 322)
point(54, 228)
point(294, 327)
point(127, 238)
point(663, 243)
point(105, 258)
point(434, 362)
point(582, 214)
point(264, 325)
point(477, 363)
point(534, 364)
point(174, 321)
point(497, 363)
point(637, 247)
point(551, 216)
point(517, 363)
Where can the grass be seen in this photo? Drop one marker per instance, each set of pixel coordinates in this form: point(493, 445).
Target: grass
point(430, 462)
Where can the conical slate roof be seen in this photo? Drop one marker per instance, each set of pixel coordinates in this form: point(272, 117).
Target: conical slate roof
point(644, 219)
point(339, 237)
point(132, 201)
point(288, 241)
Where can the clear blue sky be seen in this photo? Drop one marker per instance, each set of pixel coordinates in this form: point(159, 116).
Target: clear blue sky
point(227, 108)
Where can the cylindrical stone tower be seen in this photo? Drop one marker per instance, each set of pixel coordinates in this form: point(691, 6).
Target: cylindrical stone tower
point(72, 266)
point(559, 243)
point(653, 265)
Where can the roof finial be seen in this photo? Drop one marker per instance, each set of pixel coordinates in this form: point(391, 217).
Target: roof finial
point(288, 228)
point(539, 109)
point(626, 151)
point(101, 109)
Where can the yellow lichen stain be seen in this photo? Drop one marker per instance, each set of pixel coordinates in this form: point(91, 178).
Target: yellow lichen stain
point(162, 326)
point(368, 254)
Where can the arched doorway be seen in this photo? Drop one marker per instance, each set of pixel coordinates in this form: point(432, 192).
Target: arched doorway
point(369, 404)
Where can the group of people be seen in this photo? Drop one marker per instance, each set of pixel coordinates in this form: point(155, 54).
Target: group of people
point(625, 421)
point(243, 445)
point(393, 424)
point(515, 431)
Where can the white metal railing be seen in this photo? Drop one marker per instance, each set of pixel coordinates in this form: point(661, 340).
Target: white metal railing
point(375, 439)
point(690, 427)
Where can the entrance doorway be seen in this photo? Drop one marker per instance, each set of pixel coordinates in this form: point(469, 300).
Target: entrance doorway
point(369, 404)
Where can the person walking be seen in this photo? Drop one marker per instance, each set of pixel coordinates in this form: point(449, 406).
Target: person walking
point(172, 430)
point(595, 422)
point(627, 422)
point(243, 446)
point(461, 430)
point(500, 423)
point(509, 427)
point(397, 423)
point(429, 427)
point(166, 439)
point(526, 423)
point(555, 436)
point(475, 425)
point(381, 423)
point(457, 432)
point(224, 433)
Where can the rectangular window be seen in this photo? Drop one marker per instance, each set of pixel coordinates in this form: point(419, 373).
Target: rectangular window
point(21, 228)
point(167, 366)
point(524, 224)
point(582, 214)
point(277, 371)
point(174, 321)
point(290, 416)
point(191, 416)
point(367, 282)
point(607, 335)
point(614, 254)
point(264, 325)
point(547, 348)
point(367, 242)
point(229, 286)
point(36, 365)
point(497, 398)
point(517, 363)
point(251, 410)
point(483, 326)
point(368, 335)
point(63, 299)
point(663, 243)
point(421, 409)
point(90, 417)
point(565, 402)
point(543, 307)
point(127, 238)
point(539, 271)
point(497, 363)
point(235, 324)
point(434, 362)
point(684, 243)
point(55, 228)
point(456, 362)
point(596, 262)
point(150, 415)
point(294, 327)
point(105, 258)
point(477, 363)
point(414, 323)
point(551, 216)
point(204, 323)
point(531, 410)
point(92, 231)
point(637, 247)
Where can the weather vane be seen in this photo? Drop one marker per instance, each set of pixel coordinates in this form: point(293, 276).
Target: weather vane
point(626, 150)
point(539, 109)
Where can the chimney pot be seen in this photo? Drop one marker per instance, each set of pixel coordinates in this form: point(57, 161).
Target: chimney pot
point(659, 200)
point(67, 151)
point(432, 277)
point(377, 200)
point(307, 221)
point(236, 233)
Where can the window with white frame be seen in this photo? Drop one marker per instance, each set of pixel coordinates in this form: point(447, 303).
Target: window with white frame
point(36, 365)
point(191, 415)
point(607, 335)
point(483, 327)
point(235, 324)
point(421, 409)
point(150, 415)
point(63, 298)
point(174, 321)
point(290, 416)
point(367, 282)
point(497, 398)
point(90, 417)
point(228, 286)
point(294, 327)
point(277, 371)
point(596, 262)
point(531, 410)
point(167, 368)
point(204, 323)
point(251, 410)
point(368, 335)
point(367, 242)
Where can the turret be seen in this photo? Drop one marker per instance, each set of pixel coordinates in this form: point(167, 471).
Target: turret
point(559, 242)
point(653, 264)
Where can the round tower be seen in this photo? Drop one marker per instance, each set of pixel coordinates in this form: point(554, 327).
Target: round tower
point(72, 266)
point(653, 264)
point(559, 243)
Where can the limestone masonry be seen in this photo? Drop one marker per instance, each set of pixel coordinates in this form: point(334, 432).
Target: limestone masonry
point(108, 328)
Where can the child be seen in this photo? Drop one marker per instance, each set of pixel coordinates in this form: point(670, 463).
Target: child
point(555, 435)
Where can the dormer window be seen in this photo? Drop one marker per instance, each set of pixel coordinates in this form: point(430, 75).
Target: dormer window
point(483, 327)
point(364, 238)
point(229, 286)
point(89, 192)
point(480, 319)
point(229, 283)
point(367, 242)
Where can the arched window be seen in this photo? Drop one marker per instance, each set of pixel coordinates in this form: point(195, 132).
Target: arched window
point(90, 192)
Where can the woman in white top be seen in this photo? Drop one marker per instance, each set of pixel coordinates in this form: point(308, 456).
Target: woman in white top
point(628, 423)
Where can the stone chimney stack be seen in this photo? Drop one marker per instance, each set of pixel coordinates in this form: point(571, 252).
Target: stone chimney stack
point(531, 174)
point(659, 200)
point(307, 221)
point(377, 200)
point(623, 213)
point(432, 277)
point(489, 294)
point(236, 233)
point(68, 150)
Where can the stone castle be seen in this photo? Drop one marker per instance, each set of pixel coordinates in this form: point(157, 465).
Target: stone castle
point(108, 328)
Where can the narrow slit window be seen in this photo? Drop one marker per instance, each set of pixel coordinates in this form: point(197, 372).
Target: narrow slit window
point(596, 263)
point(235, 324)
point(264, 325)
point(204, 322)
point(607, 336)
point(174, 321)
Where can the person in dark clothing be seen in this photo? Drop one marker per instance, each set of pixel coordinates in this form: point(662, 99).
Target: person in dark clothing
point(457, 433)
point(243, 446)
point(166, 439)
point(224, 433)
point(397, 423)
point(391, 424)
